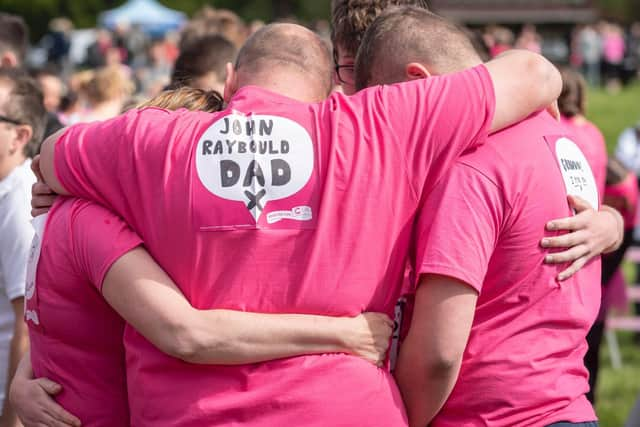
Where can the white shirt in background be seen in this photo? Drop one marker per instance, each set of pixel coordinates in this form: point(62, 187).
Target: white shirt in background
point(16, 233)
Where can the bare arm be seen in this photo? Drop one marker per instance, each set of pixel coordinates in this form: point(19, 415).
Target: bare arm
point(45, 166)
point(431, 355)
point(32, 399)
point(524, 82)
point(19, 346)
point(142, 293)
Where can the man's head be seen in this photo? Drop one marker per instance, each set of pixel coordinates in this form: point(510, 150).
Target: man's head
point(14, 39)
point(52, 87)
point(349, 21)
point(407, 43)
point(22, 118)
point(286, 58)
point(201, 63)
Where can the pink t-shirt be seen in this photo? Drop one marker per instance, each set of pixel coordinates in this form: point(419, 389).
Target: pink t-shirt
point(76, 338)
point(592, 143)
point(523, 365)
point(613, 47)
point(280, 206)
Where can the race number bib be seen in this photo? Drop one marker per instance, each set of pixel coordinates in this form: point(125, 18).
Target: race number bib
point(576, 172)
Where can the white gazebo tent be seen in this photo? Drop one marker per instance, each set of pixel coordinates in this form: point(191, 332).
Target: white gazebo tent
point(152, 17)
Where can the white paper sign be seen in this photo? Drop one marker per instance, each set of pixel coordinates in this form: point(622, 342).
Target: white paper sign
point(255, 159)
point(576, 172)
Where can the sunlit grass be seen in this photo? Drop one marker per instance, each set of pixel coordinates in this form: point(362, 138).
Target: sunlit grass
point(617, 389)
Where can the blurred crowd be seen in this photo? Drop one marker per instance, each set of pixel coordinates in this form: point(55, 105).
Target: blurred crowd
point(91, 75)
point(96, 74)
point(606, 53)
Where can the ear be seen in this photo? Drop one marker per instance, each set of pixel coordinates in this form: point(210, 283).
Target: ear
point(230, 83)
point(415, 71)
point(23, 136)
point(8, 60)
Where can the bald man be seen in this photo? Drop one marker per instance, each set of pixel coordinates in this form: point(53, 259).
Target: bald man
point(489, 312)
point(285, 202)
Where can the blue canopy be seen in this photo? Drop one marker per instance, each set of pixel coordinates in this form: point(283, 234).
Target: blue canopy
point(152, 17)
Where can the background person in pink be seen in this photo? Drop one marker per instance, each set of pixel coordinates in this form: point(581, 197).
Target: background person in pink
point(572, 104)
point(277, 205)
point(621, 193)
point(483, 275)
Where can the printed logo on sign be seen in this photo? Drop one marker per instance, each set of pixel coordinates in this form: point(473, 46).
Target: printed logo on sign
point(576, 172)
point(398, 315)
point(255, 159)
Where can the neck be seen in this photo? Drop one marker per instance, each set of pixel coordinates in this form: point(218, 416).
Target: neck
point(294, 86)
point(10, 163)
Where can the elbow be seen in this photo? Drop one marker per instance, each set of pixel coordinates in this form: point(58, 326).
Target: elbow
point(549, 76)
point(442, 364)
point(182, 347)
point(181, 342)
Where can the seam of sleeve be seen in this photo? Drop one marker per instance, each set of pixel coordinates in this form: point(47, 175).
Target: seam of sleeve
point(490, 180)
point(108, 263)
point(56, 157)
point(485, 76)
point(454, 272)
point(80, 267)
point(15, 290)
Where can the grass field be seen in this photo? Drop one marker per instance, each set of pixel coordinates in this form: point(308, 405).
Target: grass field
point(617, 389)
point(613, 113)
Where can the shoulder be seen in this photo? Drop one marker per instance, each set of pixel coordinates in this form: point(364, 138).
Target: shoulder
point(84, 211)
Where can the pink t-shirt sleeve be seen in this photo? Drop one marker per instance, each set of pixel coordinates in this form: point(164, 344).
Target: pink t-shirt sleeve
point(110, 162)
point(99, 238)
point(459, 226)
point(434, 120)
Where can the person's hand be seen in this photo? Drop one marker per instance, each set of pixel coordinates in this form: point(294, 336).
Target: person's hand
point(591, 233)
point(32, 402)
point(369, 336)
point(42, 197)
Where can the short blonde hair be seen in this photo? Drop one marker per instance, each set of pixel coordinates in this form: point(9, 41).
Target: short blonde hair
point(186, 97)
